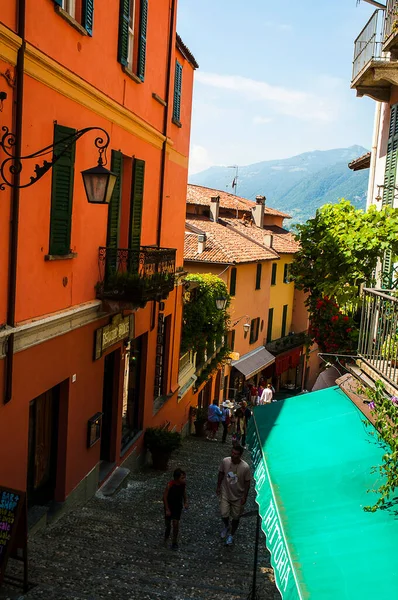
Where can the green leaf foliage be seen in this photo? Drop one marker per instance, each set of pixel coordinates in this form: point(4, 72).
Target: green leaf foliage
point(339, 249)
point(203, 324)
point(385, 411)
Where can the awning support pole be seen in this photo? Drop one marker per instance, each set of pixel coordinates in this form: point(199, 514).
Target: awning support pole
point(253, 592)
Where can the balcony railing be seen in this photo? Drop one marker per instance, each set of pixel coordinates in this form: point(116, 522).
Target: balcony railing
point(368, 45)
point(136, 276)
point(378, 337)
point(391, 19)
point(286, 343)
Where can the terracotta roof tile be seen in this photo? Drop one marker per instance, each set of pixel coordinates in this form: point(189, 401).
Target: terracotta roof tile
point(198, 194)
point(222, 244)
point(282, 240)
point(363, 162)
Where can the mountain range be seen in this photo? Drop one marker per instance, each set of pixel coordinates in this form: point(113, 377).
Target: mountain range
point(297, 185)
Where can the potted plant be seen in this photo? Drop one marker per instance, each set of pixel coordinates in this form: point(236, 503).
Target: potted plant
point(200, 419)
point(161, 443)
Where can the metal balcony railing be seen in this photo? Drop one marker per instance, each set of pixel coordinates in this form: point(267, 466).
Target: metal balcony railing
point(378, 336)
point(136, 276)
point(368, 45)
point(391, 19)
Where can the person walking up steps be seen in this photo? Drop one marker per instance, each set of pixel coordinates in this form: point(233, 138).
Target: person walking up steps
point(174, 500)
point(232, 489)
point(214, 415)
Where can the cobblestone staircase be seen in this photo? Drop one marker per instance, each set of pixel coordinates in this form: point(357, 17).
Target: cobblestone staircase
point(113, 547)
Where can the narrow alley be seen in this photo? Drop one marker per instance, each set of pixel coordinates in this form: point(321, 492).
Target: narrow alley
point(113, 547)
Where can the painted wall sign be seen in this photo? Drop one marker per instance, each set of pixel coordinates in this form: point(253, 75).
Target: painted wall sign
point(13, 529)
point(119, 329)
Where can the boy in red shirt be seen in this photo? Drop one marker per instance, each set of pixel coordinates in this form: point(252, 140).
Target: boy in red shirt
point(174, 500)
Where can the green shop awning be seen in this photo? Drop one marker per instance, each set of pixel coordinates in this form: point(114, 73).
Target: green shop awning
point(313, 459)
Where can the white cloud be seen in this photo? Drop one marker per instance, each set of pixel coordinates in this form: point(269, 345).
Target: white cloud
point(262, 120)
point(294, 103)
point(199, 159)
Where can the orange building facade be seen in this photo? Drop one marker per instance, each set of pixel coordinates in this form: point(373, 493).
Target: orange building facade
point(90, 295)
point(245, 244)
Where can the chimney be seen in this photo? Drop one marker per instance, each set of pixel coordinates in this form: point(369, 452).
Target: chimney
point(214, 208)
point(258, 211)
point(268, 240)
point(201, 242)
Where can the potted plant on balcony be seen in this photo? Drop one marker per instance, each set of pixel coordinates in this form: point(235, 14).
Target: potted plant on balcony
point(161, 443)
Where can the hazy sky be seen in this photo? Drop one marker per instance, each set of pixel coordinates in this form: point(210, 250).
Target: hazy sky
point(273, 78)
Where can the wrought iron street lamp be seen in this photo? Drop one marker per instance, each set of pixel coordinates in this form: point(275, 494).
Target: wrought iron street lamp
point(388, 188)
point(221, 302)
point(98, 181)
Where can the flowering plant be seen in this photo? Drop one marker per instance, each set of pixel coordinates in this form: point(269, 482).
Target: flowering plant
point(332, 330)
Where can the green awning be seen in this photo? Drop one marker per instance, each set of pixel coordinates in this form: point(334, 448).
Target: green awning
point(313, 459)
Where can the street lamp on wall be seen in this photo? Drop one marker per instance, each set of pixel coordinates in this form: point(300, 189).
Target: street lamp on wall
point(98, 181)
point(246, 324)
point(379, 197)
point(221, 303)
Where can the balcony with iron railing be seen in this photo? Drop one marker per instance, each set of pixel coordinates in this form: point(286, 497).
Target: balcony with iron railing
point(136, 276)
point(390, 37)
point(374, 70)
point(378, 337)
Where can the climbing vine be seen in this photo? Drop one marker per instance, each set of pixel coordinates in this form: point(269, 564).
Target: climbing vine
point(385, 412)
point(204, 325)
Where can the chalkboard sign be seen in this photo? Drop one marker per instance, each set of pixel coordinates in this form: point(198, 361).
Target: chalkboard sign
point(13, 529)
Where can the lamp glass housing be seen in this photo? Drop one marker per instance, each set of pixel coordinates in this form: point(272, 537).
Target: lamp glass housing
point(98, 184)
point(246, 327)
point(221, 303)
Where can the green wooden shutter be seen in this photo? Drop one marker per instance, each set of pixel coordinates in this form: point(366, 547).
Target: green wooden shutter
point(258, 276)
point(112, 240)
point(390, 175)
point(232, 283)
point(273, 275)
point(88, 15)
point(142, 40)
point(177, 92)
point(123, 46)
point(284, 319)
point(62, 195)
point(269, 325)
point(391, 159)
point(137, 197)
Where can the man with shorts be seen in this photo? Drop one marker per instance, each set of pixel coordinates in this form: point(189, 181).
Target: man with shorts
point(232, 489)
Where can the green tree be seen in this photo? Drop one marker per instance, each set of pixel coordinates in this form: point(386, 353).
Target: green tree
point(339, 249)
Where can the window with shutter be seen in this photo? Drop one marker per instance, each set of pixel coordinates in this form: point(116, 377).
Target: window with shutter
point(232, 283)
point(269, 325)
point(254, 328)
point(258, 276)
point(284, 319)
point(81, 11)
point(286, 276)
point(62, 195)
point(177, 93)
point(133, 23)
point(112, 241)
point(137, 198)
point(273, 275)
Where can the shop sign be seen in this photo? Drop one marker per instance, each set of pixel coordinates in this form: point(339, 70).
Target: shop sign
point(119, 329)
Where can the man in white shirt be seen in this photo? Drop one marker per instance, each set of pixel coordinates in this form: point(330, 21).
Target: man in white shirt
point(266, 396)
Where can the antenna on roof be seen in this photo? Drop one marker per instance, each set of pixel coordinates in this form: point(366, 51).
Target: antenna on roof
point(235, 179)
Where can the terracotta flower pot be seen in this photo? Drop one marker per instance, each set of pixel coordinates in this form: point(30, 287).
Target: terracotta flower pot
point(200, 428)
point(160, 459)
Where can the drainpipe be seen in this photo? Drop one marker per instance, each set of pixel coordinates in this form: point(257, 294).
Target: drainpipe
point(166, 119)
point(373, 156)
point(15, 197)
